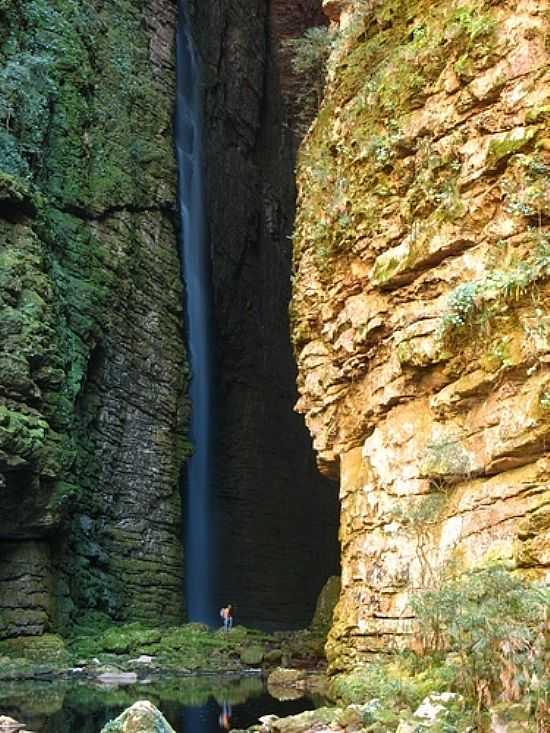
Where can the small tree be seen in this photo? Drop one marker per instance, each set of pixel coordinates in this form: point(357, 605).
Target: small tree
point(495, 624)
point(309, 54)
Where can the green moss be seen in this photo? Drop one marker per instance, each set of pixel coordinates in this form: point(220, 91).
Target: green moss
point(389, 70)
point(444, 458)
point(13, 188)
point(48, 648)
point(500, 149)
point(83, 134)
point(394, 683)
point(386, 266)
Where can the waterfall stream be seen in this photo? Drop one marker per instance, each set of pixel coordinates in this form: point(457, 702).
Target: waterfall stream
point(196, 274)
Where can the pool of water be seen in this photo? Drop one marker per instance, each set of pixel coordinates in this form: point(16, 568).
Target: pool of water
point(190, 704)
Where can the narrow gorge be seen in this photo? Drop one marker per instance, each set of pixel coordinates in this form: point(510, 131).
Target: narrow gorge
point(274, 311)
point(93, 374)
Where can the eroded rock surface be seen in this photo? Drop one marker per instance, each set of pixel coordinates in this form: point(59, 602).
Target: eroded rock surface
point(420, 307)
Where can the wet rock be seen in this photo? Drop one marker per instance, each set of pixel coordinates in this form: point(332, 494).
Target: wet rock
point(283, 684)
point(290, 684)
point(117, 678)
point(141, 717)
point(282, 677)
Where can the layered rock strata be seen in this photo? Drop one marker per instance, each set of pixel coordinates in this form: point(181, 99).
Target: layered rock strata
point(92, 363)
point(420, 309)
point(276, 514)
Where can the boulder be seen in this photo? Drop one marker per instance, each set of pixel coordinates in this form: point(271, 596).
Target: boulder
point(141, 717)
point(282, 677)
point(252, 656)
point(273, 656)
point(317, 720)
point(431, 712)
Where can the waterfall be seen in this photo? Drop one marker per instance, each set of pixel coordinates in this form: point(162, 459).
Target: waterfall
point(196, 275)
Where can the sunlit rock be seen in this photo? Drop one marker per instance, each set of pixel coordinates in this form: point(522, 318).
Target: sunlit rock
point(420, 303)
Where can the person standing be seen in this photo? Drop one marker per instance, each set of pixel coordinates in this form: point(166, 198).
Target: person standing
point(227, 615)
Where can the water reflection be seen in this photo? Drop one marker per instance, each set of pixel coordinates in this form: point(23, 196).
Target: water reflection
point(224, 718)
point(191, 704)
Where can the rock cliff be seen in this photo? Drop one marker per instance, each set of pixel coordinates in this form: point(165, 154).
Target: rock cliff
point(420, 304)
point(92, 364)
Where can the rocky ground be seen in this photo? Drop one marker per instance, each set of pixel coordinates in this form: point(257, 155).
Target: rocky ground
point(132, 651)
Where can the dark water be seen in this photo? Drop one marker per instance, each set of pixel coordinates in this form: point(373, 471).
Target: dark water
point(191, 705)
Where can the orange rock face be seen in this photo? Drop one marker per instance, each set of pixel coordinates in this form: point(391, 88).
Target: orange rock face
point(420, 311)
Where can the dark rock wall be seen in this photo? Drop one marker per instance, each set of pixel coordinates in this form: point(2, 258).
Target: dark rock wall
point(92, 363)
point(277, 516)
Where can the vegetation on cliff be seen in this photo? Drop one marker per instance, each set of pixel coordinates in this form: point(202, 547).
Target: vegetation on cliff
point(419, 317)
point(87, 191)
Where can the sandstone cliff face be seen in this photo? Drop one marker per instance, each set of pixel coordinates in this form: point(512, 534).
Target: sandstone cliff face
point(92, 362)
point(420, 307)
point(275, 512)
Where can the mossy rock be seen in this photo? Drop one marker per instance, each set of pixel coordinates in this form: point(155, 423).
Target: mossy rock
point(252, 656)
point(116, 641)
point(48, 649)
point(501, 148)
point(273, 656)
point(141, 717)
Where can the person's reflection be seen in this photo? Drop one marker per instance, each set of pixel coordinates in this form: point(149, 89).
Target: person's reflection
point(224, 718)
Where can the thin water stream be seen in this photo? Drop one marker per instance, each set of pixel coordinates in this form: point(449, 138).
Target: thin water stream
point(199, 539)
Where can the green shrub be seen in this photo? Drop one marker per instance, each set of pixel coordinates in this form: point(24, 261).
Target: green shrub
point(476, 303)
point(309, 54)
point(493, 623)
point(397, 683)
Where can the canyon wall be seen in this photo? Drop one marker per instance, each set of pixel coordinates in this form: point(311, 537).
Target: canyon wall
point(92, 362)
point(93, 411)
point(277, 515)
point(420, 303)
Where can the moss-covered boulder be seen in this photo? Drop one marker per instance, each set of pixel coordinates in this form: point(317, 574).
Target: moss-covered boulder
point(252, 656)
point(141, 717)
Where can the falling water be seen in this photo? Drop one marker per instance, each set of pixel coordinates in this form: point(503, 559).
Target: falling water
point(196, 275)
